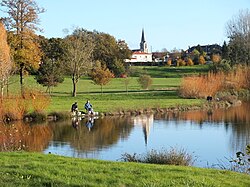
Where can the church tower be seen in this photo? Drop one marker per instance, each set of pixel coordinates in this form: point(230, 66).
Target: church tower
point(143, 44)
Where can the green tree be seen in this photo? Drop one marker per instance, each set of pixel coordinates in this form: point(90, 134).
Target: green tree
point(101, 75)
point(22, 21)
point(53, 48)
point(145, 81)
point(50, 74)
point(110, 52)
point(78, 55)
point(225, 51)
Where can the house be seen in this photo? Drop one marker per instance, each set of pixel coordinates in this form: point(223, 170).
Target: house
point(142, 54)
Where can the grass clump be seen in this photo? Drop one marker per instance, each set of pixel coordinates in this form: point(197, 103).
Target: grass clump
point(174, 156)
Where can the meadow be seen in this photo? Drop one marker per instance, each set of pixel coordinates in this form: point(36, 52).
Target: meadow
point(163, 92)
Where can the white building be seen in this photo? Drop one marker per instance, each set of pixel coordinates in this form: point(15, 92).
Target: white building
point(142, 54)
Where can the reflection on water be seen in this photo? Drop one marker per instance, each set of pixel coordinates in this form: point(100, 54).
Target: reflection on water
point(19, 136)
point(210, 135)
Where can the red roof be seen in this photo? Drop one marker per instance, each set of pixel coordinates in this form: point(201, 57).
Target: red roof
point(139, 52)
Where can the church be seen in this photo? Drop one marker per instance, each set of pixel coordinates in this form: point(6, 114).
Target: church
point(142, 54)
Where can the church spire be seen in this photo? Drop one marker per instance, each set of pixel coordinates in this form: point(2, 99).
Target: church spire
point(143, 44)
point(142, 37)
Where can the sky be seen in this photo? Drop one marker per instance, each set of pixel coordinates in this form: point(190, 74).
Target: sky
point(169, 24)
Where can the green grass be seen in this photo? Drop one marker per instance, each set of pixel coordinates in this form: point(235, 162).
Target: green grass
point(162, 94)
point(170, 72)
point(33, 169)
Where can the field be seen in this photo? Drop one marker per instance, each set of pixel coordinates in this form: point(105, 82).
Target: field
point(33, 169)
point(162, 94)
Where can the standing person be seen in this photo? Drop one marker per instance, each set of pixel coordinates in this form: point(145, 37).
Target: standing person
point(88, 107)
point(74, 107)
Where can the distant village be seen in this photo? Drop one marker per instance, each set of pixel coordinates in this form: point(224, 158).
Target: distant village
point(143, 56)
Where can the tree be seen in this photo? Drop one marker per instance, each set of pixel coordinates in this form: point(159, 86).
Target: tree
point(202, 60)
point(145, 81)
point(216, 58)
point(50, 74)
point(78, 55)
point(110, 52)
point(101, 75)
point(53, 48)
point(238, 31)
point(6, 64)
point(22, 22)
point(225, 51)
point(190, 62)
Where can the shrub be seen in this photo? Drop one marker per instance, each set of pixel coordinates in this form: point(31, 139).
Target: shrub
point(165, 157)
point(145, 81)
point(37, 116)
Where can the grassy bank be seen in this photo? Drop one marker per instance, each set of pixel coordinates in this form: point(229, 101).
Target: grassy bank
point(32, 169)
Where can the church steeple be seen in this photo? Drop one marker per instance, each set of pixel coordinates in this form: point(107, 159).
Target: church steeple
point(142, 36)
point(143, 44)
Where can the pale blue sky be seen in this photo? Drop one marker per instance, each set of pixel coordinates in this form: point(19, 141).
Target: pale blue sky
point(167, 24)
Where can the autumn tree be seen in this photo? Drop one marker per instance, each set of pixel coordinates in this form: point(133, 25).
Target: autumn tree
point(22, 23)
point(202, 60)
point(238, 32)
point(190, 62)
point(6, 64)
point(78, 55)
point(101, 75)
point(216, 58)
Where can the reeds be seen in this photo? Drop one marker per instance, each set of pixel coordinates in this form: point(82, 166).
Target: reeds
point(15, 107)
point(208, 85)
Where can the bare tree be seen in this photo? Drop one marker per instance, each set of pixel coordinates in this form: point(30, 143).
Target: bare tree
point(6, 64)
point(238, 31)
point(22, 21)
point(78, 55)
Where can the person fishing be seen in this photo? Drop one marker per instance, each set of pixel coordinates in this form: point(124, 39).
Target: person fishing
point(88, 107)
point(74, 107)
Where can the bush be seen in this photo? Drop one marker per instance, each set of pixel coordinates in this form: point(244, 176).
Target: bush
point(37, 116)
point(165, 157)
point(145, 81)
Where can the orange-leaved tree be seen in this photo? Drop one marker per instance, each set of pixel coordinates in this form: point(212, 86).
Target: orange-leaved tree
point(22, 23)
point(101, 75)
point(6, 64)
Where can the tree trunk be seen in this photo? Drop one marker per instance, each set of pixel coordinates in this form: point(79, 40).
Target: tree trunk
point(74, 87)
point(21, 78)
point(2, 93)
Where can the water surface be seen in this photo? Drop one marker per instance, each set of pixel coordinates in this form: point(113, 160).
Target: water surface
point(212, 137)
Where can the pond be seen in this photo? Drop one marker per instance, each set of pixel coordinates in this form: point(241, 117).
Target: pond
point(213, 137)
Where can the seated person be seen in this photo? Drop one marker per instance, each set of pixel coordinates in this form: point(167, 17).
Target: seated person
point(74, 107)
point(88, 107)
